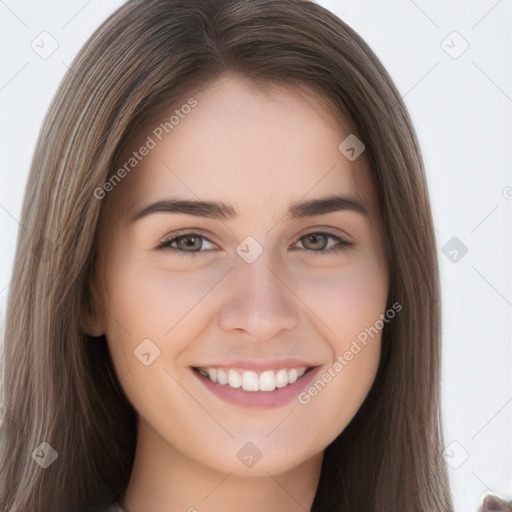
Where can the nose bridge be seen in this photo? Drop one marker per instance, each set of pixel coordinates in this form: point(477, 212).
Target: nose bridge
point(259, 302)
point(258, 286)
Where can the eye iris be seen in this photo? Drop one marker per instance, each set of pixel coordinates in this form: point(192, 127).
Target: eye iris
point(190, 243)
point(317, 241)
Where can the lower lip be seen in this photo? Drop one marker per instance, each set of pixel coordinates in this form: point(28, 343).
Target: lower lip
point(260, 399)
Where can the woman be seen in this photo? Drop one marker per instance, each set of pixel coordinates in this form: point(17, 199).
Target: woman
point(226, 295)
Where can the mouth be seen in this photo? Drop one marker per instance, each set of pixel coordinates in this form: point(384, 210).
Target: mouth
point(250, 380)
point(256, 387)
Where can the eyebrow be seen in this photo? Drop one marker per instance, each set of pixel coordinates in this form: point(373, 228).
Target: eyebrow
point(221, 211)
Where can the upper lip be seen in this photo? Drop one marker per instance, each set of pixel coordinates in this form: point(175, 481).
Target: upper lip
point(252, 364)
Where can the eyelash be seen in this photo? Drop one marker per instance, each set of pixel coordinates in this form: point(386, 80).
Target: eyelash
point(166, 244)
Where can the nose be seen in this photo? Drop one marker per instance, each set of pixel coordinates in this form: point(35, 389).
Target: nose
point(259, 302)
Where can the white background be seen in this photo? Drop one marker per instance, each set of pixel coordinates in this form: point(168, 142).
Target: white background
point(461, 108)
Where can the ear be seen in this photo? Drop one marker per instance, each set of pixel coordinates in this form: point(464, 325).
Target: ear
point(92, 321)
point(93, 311)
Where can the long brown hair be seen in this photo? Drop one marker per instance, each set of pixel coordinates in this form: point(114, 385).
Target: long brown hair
point(59, 385)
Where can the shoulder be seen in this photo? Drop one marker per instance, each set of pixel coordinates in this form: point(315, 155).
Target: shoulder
point(493, 503)
point(114, 508)
point(110, 508)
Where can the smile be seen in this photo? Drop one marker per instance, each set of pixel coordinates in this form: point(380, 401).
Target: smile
point(256, 384)
point(249, 380)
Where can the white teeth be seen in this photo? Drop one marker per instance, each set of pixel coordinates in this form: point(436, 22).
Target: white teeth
point(222, 376)
point(234, 379)
point(281, 378)
point(267, 381)
point(249, 380)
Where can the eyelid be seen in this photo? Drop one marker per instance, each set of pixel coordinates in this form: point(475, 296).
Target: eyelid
point(341, 242)
point(328, 231)
point(166, 241)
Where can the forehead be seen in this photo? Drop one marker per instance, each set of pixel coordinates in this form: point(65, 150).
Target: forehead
point(248, 145)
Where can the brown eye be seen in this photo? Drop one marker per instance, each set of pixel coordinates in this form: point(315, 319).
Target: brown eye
point(188, 243)
point(323, 243)
point(315, 241)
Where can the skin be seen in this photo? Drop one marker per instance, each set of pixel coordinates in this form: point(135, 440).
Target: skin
point(212, 306)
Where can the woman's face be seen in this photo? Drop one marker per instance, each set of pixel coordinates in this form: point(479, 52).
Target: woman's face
point(245, 247)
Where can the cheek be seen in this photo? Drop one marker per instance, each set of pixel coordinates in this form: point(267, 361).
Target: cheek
point(150, 302)
point(349, 305)
point(154, 315)
point(347, 300)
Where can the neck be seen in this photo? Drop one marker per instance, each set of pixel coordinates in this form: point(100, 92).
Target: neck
point(165, 480)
